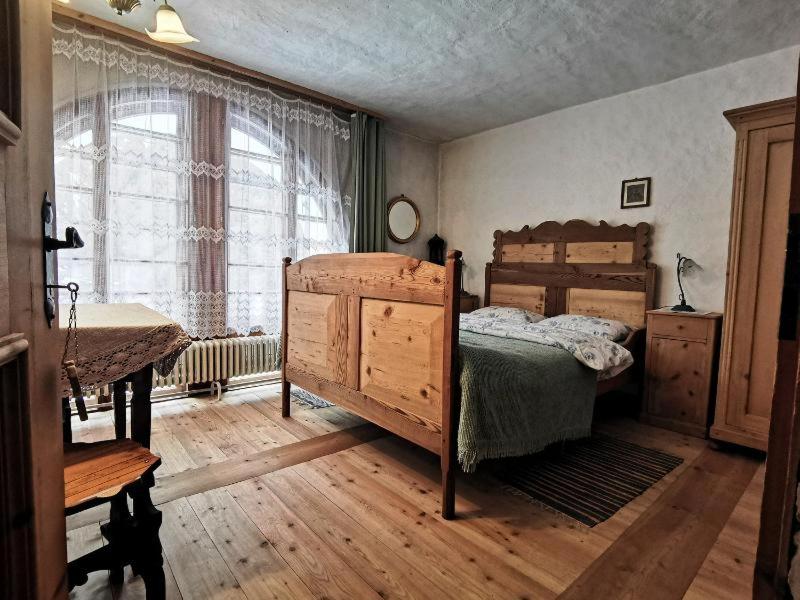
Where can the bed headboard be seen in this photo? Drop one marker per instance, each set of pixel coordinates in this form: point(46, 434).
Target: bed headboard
point(574, 268)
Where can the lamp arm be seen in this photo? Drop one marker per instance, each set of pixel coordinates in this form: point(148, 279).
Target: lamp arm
point(680, 285)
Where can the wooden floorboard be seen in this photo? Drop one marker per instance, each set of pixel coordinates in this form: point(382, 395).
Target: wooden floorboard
point(321, 505)
point(662, 551)
point(322, 570)
point(727, 571)
point(240, 468)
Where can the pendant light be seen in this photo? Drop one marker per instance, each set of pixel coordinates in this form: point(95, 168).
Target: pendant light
point(123, 6)
point(169, 28)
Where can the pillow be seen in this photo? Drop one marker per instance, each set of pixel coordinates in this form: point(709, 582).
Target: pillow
point(516, 315)
point(608, 328)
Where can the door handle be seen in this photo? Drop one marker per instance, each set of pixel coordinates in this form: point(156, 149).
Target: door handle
point(50, 245)
point(73, 241)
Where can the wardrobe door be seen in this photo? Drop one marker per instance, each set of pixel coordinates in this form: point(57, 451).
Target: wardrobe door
point(755, 278)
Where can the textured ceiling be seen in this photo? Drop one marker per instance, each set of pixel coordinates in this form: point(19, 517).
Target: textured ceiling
point(449, 68)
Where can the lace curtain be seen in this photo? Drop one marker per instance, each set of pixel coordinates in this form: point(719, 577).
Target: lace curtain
point(188, 186)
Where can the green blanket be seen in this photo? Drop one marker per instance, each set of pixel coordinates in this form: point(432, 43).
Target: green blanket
point(517, 397)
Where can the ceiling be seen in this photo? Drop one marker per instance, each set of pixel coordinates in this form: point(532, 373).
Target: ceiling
point(449, 68)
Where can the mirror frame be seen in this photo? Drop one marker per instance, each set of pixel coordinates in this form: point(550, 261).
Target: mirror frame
point(392, 236)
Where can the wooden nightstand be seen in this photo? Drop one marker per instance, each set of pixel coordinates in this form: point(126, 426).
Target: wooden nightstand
point(469, 302)
point(680, 370)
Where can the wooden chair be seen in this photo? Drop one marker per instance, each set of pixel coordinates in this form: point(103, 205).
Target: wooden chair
point(110, 471)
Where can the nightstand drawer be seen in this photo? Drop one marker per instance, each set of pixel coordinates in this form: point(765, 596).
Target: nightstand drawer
point(677, 326)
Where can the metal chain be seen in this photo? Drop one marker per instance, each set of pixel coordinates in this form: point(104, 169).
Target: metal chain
point(72, 327)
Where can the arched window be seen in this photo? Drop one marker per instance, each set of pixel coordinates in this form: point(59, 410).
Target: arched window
point(133, 186)
point(189, 185)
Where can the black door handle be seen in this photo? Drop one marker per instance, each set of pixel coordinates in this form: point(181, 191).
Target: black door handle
point(73, 240)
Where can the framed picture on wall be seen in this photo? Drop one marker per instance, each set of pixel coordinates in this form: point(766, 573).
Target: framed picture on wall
point(635, 192)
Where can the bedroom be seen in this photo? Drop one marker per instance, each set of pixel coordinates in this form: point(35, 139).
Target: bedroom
point(505, 406)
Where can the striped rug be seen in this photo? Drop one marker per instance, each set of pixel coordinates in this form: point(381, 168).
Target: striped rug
point(588, 480)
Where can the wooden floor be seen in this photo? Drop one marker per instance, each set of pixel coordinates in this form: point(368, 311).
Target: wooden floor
point(324, 505)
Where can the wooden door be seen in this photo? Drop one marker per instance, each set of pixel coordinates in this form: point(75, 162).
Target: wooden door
point(778, 507)
point(29, 357)
point(755, 272)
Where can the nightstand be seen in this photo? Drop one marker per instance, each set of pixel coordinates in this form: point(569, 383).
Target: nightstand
point(680, 370)
point(469, 302)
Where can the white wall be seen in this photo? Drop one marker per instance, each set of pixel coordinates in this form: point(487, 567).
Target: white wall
point(413, 169)
point(569, 165)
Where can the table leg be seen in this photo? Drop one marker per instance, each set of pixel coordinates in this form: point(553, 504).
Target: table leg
point(142, 383)
point(66, 420)
point(120, 410)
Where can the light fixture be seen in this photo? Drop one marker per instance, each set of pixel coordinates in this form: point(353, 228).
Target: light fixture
point(169, 28)
point(123, 6)
point(684, 263)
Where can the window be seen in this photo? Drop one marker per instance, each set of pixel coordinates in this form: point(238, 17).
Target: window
point(125, 205)
point(189, 186)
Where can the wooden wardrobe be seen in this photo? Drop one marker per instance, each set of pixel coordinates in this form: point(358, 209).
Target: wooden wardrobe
point(756, 254)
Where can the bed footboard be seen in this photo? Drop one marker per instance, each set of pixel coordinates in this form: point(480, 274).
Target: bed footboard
point(377, 334)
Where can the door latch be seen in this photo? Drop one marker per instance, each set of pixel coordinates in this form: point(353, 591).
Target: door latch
point(50, 245)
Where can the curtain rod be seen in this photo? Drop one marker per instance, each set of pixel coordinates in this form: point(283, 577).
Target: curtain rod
point(65, 14)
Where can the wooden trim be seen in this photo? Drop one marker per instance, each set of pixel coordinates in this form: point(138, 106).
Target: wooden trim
point(778, 507)
point(11, 346)
point(572, 278)
point(65, 14)
point(406, 425)
point(9, 132)
point(285, 386)
point(378, 275)
point(10, 75)
point(451, 390)
point(576, 231)
point(774, 108)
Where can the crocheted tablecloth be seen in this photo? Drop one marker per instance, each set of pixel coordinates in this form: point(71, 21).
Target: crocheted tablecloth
point(115, 340)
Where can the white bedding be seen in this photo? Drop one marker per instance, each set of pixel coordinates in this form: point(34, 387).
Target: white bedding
point(604, 356)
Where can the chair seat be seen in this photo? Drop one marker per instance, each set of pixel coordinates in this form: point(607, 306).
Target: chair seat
point(95, 472)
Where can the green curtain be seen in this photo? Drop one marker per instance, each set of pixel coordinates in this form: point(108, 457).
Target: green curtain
point(368, 216)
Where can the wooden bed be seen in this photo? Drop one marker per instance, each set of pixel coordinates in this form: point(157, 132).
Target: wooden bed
point(377, 333)
point(578, 268)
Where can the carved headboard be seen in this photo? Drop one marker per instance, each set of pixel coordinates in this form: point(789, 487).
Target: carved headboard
point(574, 268)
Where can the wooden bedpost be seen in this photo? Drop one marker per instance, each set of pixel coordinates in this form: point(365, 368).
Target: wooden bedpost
point(285, 385)
point(451, 390)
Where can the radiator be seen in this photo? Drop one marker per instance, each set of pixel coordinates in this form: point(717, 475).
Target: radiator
point(209, 361)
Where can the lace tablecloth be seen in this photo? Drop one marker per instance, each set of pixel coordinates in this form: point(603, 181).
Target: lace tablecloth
point(115, 340)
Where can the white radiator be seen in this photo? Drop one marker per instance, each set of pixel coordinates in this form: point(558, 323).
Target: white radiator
point(208, 361)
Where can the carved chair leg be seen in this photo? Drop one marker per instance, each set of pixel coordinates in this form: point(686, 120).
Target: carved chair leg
point(66, 424)
point(120, 409)
point(155, 585)
point(118, 529)
point(98, 560)
point(116, 575)
point(147, 560)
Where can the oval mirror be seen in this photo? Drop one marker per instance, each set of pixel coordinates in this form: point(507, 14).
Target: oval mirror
point(403, 219)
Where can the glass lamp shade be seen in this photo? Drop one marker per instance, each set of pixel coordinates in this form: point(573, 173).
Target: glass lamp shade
point(169, 28)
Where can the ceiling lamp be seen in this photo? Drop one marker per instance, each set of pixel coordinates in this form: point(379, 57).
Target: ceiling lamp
point(123, 6)
point(169, 28)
